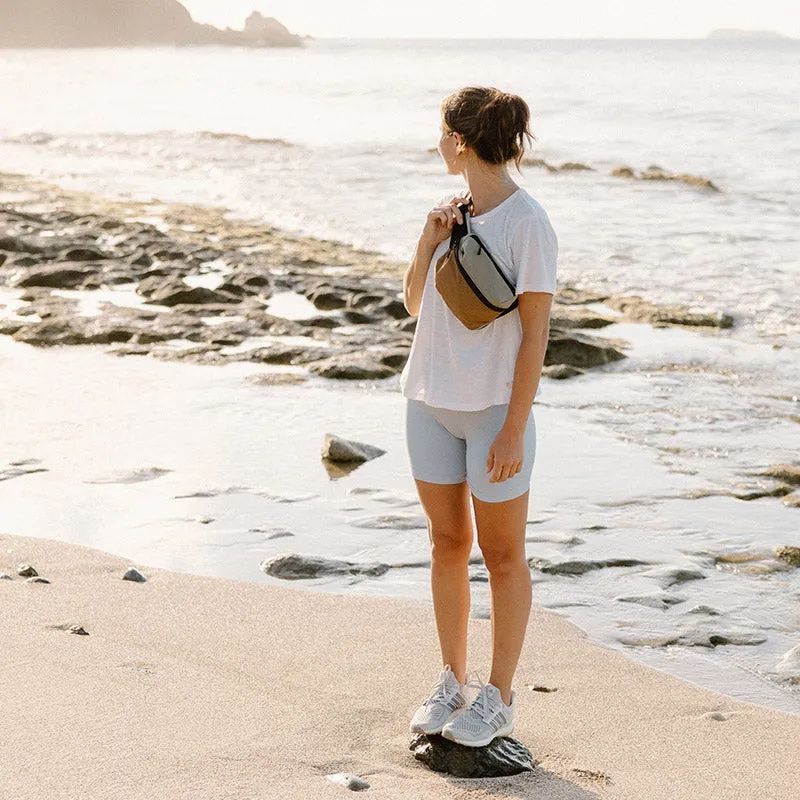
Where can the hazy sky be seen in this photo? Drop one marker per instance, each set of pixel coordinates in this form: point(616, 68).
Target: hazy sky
point(509, 18)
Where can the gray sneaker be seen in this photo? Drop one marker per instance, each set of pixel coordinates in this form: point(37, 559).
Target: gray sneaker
point(446, 700)
point(486, 717)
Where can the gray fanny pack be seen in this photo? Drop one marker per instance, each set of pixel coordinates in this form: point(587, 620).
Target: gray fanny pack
point(483, 273)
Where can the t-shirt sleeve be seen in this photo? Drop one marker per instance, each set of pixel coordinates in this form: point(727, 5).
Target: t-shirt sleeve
point(534, 251)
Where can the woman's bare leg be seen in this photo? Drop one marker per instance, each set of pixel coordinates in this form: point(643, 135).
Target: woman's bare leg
point(450, 531)
point(501, 537)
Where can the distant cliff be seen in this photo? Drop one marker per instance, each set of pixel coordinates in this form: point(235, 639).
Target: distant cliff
point(119, 23)
point(736, 33)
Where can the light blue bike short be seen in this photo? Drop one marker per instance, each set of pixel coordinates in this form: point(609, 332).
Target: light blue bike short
point(447, 446)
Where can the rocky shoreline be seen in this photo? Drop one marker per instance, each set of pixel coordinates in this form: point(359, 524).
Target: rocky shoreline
point(191, 284)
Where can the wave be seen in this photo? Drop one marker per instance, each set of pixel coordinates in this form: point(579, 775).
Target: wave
point(244, 138)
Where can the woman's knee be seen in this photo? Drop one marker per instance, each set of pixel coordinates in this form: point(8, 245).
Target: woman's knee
point(450, 544)
point(504, 561)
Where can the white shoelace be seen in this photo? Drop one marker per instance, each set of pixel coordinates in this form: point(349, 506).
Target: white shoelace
point(481, 702)
point(440, 689)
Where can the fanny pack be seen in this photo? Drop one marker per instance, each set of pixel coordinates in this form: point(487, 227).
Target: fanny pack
point(470, 281)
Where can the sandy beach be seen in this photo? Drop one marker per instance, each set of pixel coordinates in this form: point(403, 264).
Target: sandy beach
point(195, 687)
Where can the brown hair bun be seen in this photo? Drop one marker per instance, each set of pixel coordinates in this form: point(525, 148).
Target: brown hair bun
point(493, 123)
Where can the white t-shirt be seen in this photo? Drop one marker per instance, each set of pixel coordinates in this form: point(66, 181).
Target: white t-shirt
point(451, 366)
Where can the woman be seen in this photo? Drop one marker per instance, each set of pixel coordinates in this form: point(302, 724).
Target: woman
point(470, 427)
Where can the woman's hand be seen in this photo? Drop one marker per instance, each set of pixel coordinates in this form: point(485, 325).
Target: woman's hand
point(439, 222)
point(505, 455)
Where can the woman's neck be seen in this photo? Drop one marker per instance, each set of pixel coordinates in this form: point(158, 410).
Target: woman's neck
point(488, 186)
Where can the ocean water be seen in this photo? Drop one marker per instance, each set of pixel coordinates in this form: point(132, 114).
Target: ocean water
point(334, 140)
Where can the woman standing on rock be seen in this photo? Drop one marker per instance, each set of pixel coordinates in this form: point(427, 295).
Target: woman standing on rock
point(470, 426)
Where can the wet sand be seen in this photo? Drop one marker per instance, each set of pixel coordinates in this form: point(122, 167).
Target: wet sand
point(188, 686)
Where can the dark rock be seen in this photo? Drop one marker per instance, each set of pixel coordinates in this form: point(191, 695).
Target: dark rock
point(503, 756)
point(348, 368)
point(669, 576)
point(357, 317)
point(335, 448)
point(24, 466)
point(652, 600)
point(788, 553)
point(409, 324)
point(327, 300)
point(561, 372)
point(638, 310)
point(26, 571)
point(568, 317)
point(292, 566)
point(179, 292)
point(789, 473)
point(578, 350)
point(396, 358)
point(84, 254)
point(321, 322)
point(576, 567)
point(55, 277)
point(78, 629)
point(569, 295)
point(365, 299)
point(393, 308)
point(133, 574)
point(14, 244)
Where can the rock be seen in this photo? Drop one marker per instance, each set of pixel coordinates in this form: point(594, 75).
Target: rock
point(569, 295)
point(398, 522)
point(653, 600)
point(395, 358)
point(335, 448)
point(577, 567)
point(78, 629)
point(393, 308)
point(639, 310)
point(561, 372)
point(115, 23)
point(321, 322)
point(578, 350)
point(573, 166)
point(178, 292)
point(623, 172)
point(789, 554)
point(357, 317)
point(84, 254)
point(791, 500)
point(669, 576)
point(133, 574)
point(37, 579)
point(55, 277)
point(23, 467)
point(139, 475)
point(568, 317)
point(327, 300)
point(788, 668)
point(350, 368)
point(348, 780)
point(26, 571)
point(4, 576)
point(702, 634)
point(292, 566)
point(789, 473)
point(276, 379)
point(503, 756)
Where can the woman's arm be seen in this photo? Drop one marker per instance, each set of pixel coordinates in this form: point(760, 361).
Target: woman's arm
point(438, 226)
point(416, 273)
point(506, 453)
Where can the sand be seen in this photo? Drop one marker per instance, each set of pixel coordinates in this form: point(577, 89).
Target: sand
point(198, 687)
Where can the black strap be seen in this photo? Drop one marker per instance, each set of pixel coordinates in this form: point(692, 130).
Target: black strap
point(459, 228)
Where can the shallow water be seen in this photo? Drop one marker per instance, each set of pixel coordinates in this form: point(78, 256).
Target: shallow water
point(621, 451)
point(192, 468)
